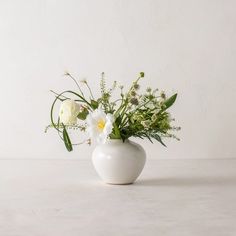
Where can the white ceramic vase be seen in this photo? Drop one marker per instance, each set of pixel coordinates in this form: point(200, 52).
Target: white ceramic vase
point(118, 162)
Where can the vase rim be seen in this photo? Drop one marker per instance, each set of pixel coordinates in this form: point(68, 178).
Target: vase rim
point(116, 141)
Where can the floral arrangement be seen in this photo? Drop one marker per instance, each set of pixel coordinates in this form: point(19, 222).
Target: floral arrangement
point(133, 114)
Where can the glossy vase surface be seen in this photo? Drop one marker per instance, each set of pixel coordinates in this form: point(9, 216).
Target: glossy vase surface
point(118, 162)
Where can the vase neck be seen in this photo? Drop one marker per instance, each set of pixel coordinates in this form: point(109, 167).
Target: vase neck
point(111, 141)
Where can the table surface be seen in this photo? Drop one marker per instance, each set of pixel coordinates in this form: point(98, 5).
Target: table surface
point(65, 197)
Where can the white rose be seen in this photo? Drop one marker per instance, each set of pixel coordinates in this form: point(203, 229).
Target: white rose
point(68, 112)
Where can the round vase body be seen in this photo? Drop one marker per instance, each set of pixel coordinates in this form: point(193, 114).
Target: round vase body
point(118, 162)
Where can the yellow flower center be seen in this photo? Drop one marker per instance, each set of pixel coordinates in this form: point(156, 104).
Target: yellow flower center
point(101, 124)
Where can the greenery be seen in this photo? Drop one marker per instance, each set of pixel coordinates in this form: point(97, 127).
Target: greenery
point(133, 114)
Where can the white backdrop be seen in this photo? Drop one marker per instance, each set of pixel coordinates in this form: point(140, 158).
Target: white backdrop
point(184, 46)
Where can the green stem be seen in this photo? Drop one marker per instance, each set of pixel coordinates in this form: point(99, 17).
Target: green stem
point(124, 102)
point(58, 94)
point(76, 83)
point(90, 91)
point(64, 97)
point(82, 98)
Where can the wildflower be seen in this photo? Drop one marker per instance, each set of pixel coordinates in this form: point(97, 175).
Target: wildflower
point(83, 81)
point(177, 128)
point(163, 95)
point(146, 123)
point(133, 93)
point(106, 96)
point(83, 128)
point(137, 117)
point(155, 103)
point(89, 142)
point(150, 106)
point(66, 73)
point(149, 90)
point(150, 96)
point(141, 74)
point(113, 85)
point(154, 117)
point(134, 101)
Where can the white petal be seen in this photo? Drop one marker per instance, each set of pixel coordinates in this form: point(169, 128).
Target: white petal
point(68, 112)
point(93, 118)
point(110, 117)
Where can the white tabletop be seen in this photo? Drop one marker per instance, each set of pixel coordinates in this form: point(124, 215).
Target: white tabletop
point(66, 198)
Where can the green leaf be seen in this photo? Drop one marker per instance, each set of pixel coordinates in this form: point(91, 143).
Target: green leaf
point(118, 120)
point(51, 115)
point(83, 115)
point(117, 131)
point(94, 104)
point(158, 138)
point(66, 139)
point(169, 102)
point(146, 135)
